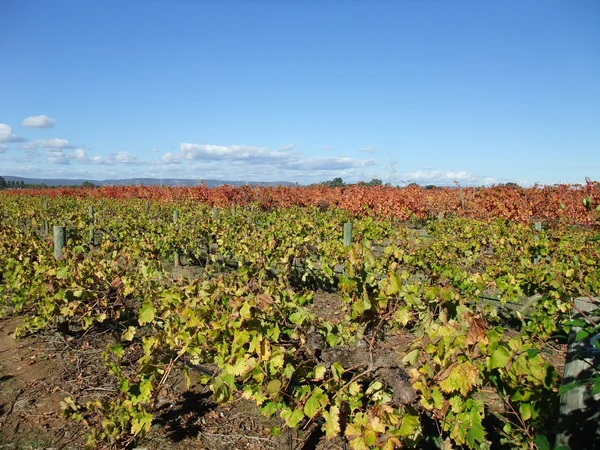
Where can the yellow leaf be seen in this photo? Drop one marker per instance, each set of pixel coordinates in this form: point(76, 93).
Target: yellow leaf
point(461, 378)
point(332, 421)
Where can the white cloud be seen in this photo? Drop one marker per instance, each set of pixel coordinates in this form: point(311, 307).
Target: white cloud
point(113, 159)
point(170, 158)
point(8, 135)
point(125, 158)
point(42, 121)
point(447, 177)
point(3, 148)
point(46, 144)
point(287, 147)
point(59, 156)
point(97, 160)
point(329, 163)
point(327, 148)
point(229, 152)
point(368, 149)
point(154, 150)
point(259, 163)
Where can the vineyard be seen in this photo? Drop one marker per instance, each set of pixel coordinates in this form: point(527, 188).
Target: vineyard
point(440, 322)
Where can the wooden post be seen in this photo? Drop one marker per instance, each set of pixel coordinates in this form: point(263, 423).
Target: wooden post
point(45, 205)
point(215, 213)
point(176, 254)
point(537, 226)
point(46, 227)
point(578, 423)
point(441, 215)
point(347, 234)
point(60, 240)
point(147, 207)
point(233, 210)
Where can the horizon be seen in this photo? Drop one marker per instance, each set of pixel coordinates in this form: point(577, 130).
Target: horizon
point(482, 93)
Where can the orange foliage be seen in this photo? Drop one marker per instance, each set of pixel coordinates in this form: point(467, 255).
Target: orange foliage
point(547, 203)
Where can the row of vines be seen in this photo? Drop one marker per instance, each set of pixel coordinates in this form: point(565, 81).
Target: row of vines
point(559, 203)
point(473, 374)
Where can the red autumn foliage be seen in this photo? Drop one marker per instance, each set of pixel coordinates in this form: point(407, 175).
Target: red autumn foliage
point(546, 203)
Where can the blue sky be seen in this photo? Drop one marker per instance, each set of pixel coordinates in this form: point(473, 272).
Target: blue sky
point(429, 91)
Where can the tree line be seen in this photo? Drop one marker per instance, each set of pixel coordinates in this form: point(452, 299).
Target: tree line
point(13, 184)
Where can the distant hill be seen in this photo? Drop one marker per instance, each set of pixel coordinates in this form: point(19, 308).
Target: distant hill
point(142, 181)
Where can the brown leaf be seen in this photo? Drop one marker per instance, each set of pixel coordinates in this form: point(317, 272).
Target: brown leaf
point(477, 332)
point(263, 301)
point(116, 283)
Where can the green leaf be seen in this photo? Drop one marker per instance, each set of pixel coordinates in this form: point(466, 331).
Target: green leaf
point(289, 370)
point(292, 418)
point(411, 357)
point(117, 350)
point(145, 390)
point(245, 311)
point(313, 404)
point(276, 363)
point(141, 422)
point(408, 427)
point(354, 388)
point(542, 442)
point(373, 387)
point(500, 357)
point(274, 387)
point(525, 410)
point(475, 434)
point(320, 372)
point(297, 318)
point(129, 334)
point(438, 398)
point(269, 409)
point(337, 371)
point(567, 387)
point(576, 323)
point(581, 335)
point(146, 313)
point(403, 315)
point(395, 284)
